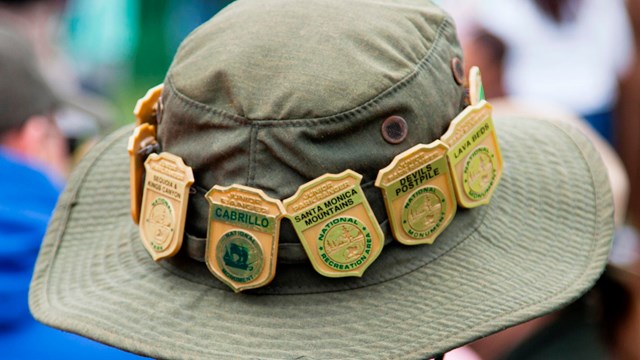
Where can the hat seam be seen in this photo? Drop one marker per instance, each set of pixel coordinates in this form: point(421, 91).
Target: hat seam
point(59, 225)
point(446, 24)
point(251, 173)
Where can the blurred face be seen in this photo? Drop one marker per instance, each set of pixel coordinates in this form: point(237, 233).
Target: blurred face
point(39, 141)
point(486, 52)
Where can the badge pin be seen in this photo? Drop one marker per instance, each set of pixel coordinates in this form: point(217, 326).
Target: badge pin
point(147, 106)
point(476, 90)
point(418, 193)
point(242, 240)
point(142, 136)
point(474, 155)
point(164, 204)
point(335, 224)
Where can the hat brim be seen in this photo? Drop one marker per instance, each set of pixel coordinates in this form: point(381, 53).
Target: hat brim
point(541, 242)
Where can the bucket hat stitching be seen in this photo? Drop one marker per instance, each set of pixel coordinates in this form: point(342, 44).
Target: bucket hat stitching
point(515, 311)
point(528, 252)
point(187, 276)
point(585, 272)
point(253, 145)
point(417, 351)
point(446, 24)
point(598, 199)
point(66, 204)
point(555, 296)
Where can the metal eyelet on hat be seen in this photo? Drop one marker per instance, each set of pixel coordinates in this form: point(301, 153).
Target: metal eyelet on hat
point(458, 70)
point(394, 129)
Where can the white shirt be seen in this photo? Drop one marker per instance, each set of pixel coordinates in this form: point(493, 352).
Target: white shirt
point(575, 64)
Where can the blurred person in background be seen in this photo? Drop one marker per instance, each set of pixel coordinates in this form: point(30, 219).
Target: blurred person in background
point(84, 113)
point(565, 53)
point(120, 48)
point(625, 256)
point(34, 159)
point(569, 53)
point(628, 121)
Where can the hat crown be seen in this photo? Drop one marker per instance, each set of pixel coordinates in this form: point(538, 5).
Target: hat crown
point(287, 59)
point(272, 94)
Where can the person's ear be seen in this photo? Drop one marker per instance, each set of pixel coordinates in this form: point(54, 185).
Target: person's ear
point(34, 133)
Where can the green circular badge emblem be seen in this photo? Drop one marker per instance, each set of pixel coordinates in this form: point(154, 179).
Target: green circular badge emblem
point(344, 243)
point(239, 256)
point(479, 173)
point(424, 212)
point(160, 222)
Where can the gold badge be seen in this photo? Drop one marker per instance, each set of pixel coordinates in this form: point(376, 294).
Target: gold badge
point(474, 155)
point(147, 107)
point(476, 90)
point(418, 193)
point(164, 204)
point(242, 241)
point(142, 136)
point(335, 224)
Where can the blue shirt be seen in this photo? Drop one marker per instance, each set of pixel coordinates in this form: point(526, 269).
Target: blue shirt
point(27, 200)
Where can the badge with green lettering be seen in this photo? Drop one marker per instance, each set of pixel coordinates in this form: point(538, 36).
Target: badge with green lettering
point(242, 240)
point(335, 224)
point(474, 155)
point(164, 204)
point(476, 90)
point(142, 136)
point(418, 193)
point(147, 107)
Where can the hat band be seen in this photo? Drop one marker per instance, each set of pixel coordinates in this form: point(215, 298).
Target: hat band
point(331, 214)
point(288, 253)
point(291, 250)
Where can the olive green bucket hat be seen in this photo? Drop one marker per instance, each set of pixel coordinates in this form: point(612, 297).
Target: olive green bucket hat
point(271, 95)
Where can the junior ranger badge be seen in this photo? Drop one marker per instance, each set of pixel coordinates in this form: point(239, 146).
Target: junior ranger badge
point(418, 193)
point(146, 108)
point(476, 90)
point(143, 135)
point(164, 204)
point(242, 240)
point(474, 155)
point(335, 224)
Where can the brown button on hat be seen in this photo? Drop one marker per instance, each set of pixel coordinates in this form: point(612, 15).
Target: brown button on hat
point(285, 95)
